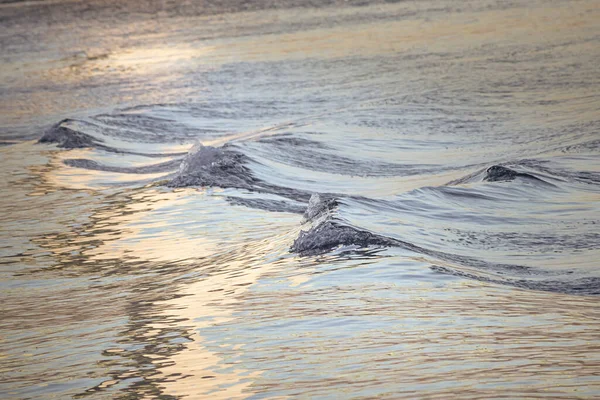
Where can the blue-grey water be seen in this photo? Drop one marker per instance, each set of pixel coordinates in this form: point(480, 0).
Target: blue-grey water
point(265, 199)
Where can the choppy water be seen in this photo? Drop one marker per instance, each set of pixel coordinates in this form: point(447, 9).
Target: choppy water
point(269, 200)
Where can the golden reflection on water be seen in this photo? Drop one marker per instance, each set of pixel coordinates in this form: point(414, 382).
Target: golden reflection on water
point(187, 314)
point(146, 292)
point(213, 300)
point(130, 223)
point(67, 177)
point(429, 344)
point(130, 62)
point(104, 68)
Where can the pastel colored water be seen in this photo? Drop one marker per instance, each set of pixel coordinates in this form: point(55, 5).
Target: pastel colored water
point(290, 199)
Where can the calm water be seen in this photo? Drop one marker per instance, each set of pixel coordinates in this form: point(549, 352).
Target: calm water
point(271, 200)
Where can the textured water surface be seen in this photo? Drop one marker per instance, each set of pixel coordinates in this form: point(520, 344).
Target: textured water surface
point(288, 199)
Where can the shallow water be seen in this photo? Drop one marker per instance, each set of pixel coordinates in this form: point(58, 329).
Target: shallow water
point(259, 200)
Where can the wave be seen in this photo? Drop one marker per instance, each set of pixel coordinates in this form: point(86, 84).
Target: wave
point(510, 222)
point(67, 137)
point(210, 166)
point(330, 233)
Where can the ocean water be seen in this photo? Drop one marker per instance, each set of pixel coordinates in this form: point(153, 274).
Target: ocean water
point(301, 199)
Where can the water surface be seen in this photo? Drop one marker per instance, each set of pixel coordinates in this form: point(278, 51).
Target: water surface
point(258, 200)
